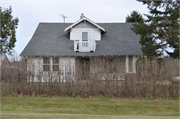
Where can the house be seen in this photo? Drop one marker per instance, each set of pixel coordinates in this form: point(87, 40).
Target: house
point(4, 62)
point(83, 47)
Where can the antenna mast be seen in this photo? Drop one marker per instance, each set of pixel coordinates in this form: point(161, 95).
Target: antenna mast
point(63, 16)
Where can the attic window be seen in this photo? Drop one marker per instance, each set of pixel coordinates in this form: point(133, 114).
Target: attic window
point(84, 36)
point(46, 64)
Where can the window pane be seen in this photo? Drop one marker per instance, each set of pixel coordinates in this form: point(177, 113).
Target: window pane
point(55, 60)
point(46, 67)
point(55, 67)
point(84, 35)
point(46, 60)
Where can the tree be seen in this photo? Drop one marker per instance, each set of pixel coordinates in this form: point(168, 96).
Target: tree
point(148, 45)
point(134, 17)
point(163, 24)
point(8, 30)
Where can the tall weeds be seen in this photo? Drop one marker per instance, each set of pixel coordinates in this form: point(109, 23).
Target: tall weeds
point(106, 77)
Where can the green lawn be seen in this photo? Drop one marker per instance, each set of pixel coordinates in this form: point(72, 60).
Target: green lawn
point(42, 107)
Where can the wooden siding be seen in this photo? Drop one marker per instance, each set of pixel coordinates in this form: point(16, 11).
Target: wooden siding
point(82, 68)
point(130, 63)
point(94, 68)
point(94, 33)
point(35, 65)
point(103, 68)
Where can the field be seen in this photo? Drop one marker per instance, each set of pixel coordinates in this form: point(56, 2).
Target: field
point(96, 107)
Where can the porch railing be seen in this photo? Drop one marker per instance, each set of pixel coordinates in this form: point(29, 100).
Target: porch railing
point(84, 46)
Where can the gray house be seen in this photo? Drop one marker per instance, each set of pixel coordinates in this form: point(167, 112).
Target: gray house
point(82, 46)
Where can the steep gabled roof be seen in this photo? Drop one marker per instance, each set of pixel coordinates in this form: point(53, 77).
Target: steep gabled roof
point(50, 39)
point(85, 18)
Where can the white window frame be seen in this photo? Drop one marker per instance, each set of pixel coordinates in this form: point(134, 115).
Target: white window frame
point(47, 64)
point(81, 35)
point(55, 64)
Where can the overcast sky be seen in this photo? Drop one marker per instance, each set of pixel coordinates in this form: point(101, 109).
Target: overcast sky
point(31, 12)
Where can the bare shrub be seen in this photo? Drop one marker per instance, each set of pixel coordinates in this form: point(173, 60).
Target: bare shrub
point(96, 76)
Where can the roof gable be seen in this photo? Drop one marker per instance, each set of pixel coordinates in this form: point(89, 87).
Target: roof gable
point(85, 18)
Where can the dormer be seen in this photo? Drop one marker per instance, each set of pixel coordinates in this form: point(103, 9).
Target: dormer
point(85, 33)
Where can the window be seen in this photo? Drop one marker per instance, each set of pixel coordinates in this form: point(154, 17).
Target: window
point(55, 63)
point(130, 64)
point(85, 36)
point(46, 64)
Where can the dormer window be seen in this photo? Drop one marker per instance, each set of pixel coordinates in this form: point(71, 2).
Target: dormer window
point(84, 36)
point(85, 33)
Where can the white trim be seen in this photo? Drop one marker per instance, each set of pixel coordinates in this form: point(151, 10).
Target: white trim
point(51, 62)
point(87, 34)
point(127, 67)
point(86, 20)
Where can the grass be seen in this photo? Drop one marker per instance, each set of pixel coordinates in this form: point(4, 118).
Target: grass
point(43, 107)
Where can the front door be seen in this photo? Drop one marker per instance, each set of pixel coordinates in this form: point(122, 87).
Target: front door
point(85, 68)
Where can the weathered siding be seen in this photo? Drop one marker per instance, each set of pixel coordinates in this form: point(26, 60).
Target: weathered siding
point(83, 68)
point(109, 68)
point(35, 65)
point(94, 33)
point(102, 68)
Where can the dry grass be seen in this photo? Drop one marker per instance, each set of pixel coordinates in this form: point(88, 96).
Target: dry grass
point(150, 81)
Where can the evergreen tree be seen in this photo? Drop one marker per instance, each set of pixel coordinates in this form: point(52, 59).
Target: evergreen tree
point(8, 30)
point(163, 24)
point(134, 17)
point(149, 46)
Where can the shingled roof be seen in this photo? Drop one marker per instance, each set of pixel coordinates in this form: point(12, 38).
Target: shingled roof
point(50, 39)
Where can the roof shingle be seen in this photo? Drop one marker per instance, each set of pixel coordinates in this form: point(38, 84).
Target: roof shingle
point(50, 39)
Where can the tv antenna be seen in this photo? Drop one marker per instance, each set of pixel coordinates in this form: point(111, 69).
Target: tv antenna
point(63, 16)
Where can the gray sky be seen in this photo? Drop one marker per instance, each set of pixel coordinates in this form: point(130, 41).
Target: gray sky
point(31, 12)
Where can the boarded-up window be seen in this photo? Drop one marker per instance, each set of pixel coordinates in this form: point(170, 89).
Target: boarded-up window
point(46, 64)
point(130, 64)
point(55, 63)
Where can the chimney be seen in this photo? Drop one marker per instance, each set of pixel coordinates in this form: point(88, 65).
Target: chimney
point(82, 16)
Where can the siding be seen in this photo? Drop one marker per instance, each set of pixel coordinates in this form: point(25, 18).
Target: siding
point(35, 65)
point(103, 68)
point(93, 32)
